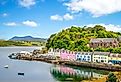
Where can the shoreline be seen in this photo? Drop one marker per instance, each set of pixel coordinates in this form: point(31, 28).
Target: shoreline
point(73, 63)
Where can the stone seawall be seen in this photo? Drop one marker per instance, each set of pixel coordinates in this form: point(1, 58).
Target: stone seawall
point(73, 63)
point(95, 65)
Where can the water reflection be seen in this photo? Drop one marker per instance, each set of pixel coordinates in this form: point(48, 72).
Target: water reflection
point(65, 73)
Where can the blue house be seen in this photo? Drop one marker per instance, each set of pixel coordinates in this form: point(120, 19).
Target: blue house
point(84, 56)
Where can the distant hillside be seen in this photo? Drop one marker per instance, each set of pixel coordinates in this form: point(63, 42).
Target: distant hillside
point(27, 38)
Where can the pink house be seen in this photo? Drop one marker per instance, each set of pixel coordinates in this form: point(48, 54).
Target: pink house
point(67, 55)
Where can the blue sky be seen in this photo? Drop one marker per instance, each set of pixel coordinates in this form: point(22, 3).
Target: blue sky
point(41, 18)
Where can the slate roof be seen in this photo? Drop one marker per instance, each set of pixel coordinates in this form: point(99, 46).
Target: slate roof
point(85, 53)
point(103, 40)
point(101, 53)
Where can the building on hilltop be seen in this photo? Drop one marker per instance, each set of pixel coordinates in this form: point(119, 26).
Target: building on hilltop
point(119, 38)
point(104, 42)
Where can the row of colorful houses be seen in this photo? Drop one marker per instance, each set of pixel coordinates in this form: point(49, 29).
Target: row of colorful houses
point(98, 57)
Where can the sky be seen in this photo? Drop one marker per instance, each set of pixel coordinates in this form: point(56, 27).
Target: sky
point(41, 18)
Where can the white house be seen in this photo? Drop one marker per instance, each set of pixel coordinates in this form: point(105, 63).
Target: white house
point(25, 53)
point(57, 52)
point(54, 52)
point(51, 52)
point(100, 57)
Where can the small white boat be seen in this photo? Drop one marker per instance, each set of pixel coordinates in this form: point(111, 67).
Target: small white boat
point(6, 66)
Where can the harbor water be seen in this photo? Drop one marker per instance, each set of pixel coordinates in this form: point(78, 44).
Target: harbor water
point(36, 71)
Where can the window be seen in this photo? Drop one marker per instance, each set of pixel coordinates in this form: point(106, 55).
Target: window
point(79, 58)
point(77, 55)
point(57, 50)
point(91, 43)
point(86, 53)
point(63, 51)
point(102, 60)
point(66, 51)
point(97, 61)
point(69, 52)
point(88, 56)
point(83, 59)
point(119, 55)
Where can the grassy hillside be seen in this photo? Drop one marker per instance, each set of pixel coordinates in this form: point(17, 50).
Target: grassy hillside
point(77, 38)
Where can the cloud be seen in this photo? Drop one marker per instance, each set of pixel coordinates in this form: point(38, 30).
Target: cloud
point(30, 23)
point(68, 17)
point(56, 17)
point(10, 24)
point(109, 27)
point(96, 7)
point(4, 14)
point(27, 3)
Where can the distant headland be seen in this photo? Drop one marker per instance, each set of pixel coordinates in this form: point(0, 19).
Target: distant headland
point(23, 41)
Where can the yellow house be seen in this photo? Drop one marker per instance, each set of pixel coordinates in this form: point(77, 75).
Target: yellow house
point(115, 58)
point(100, 57)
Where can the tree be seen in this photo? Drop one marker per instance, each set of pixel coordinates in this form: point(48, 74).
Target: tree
point(76, 38)
point(102, 34)
point(111, 78)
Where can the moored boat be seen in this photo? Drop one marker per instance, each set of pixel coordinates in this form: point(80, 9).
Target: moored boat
point(6, 66)
point(13, 55)
point(21, 73)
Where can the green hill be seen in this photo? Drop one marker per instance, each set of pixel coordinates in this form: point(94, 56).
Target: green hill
point(77, 38)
